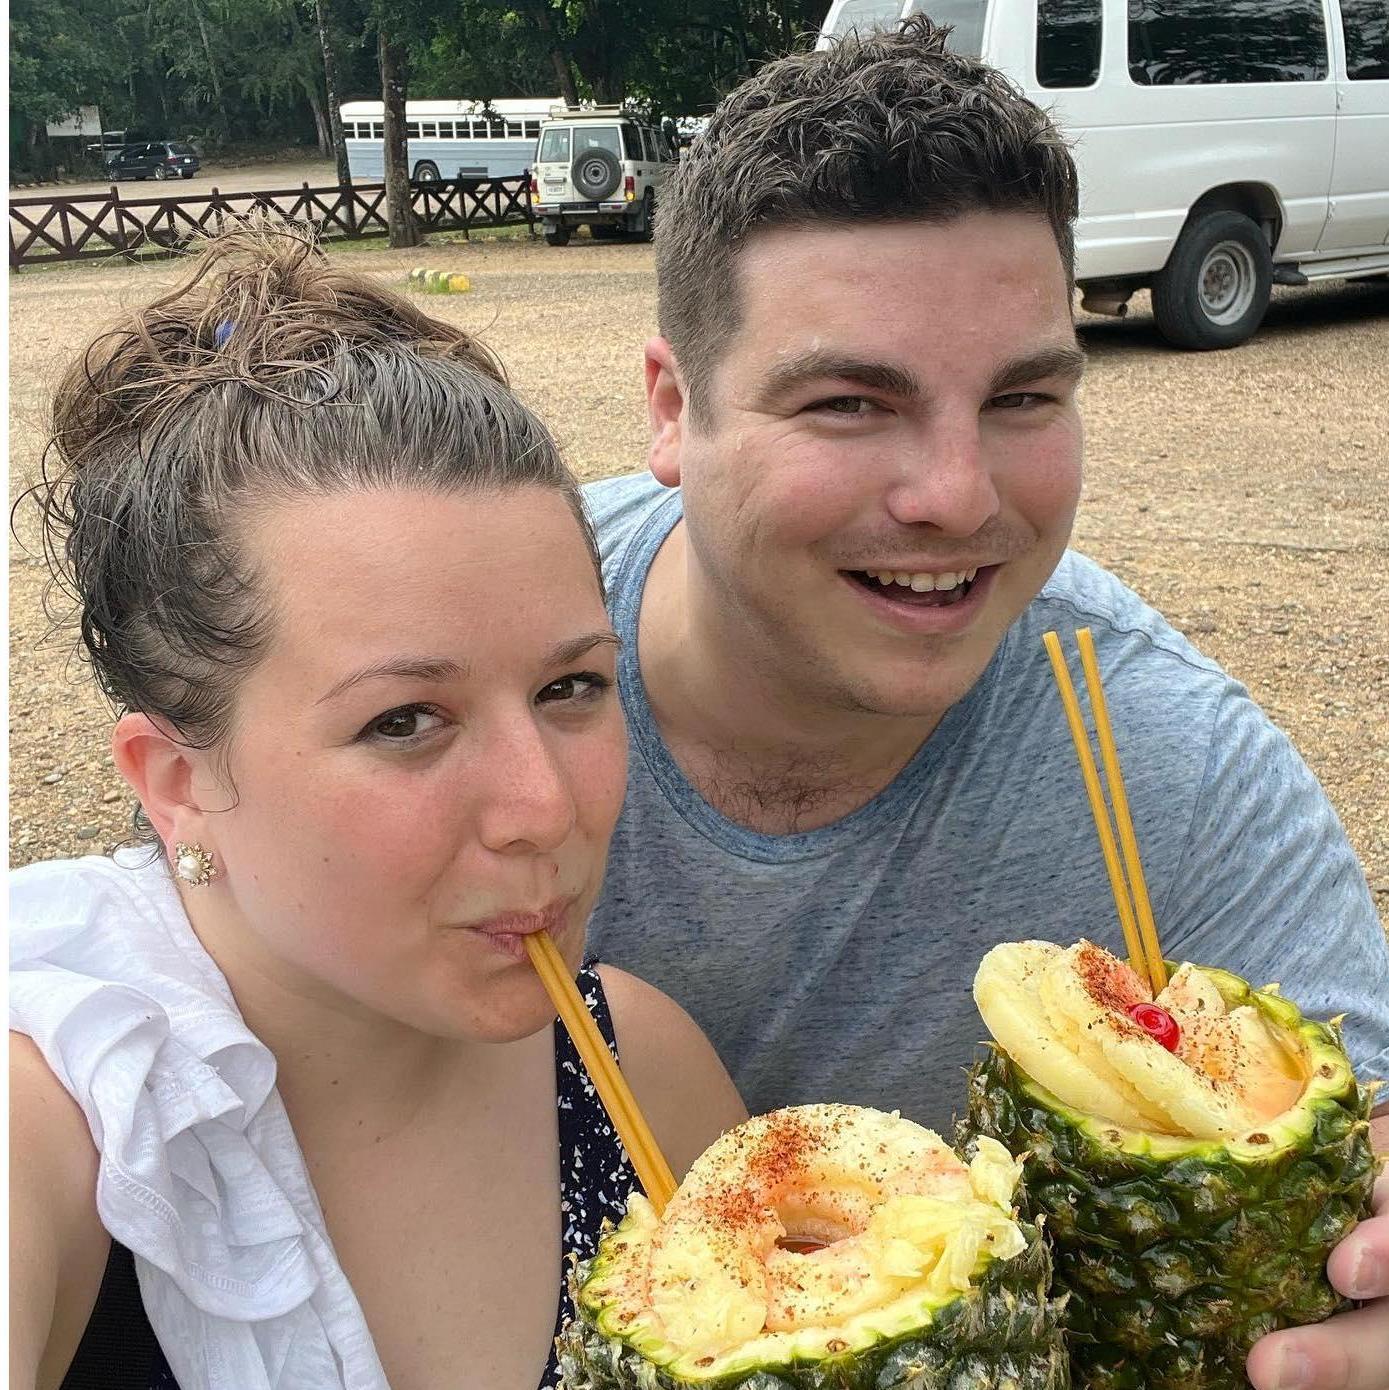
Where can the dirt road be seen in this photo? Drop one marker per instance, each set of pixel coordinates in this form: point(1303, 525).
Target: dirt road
point(1244, 493)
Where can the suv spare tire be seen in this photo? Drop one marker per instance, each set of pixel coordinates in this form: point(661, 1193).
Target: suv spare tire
point(596, 173)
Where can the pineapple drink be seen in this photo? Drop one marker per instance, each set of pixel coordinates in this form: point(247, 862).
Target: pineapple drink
point(818, 1247)
point(1195, 1156)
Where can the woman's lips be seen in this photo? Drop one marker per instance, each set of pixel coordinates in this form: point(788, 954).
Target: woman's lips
point(506, 932)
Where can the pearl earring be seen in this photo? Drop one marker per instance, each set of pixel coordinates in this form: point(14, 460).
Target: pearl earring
point(193, 864)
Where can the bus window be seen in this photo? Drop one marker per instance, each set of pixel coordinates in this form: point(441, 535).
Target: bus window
point(554, 146)
point(1069, 33)
point(412, 130)
point(1175, 42)
point(532, 130)
point(1366, 23)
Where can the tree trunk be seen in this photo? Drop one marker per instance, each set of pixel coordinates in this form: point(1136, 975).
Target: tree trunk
point(564, 73)
point(330, 79)
point(320, 120)
point(401, 227)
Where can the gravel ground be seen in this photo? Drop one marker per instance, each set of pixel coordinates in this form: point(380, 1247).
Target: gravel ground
point(226, 178)
point(1243, 493)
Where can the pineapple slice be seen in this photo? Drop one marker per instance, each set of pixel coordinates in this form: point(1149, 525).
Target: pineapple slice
point(927, 1277)
point(1063, 1016)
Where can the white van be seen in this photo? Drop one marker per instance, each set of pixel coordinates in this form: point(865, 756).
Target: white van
point(1223, 145)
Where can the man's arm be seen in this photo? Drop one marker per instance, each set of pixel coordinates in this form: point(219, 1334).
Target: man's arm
point(1269, 887)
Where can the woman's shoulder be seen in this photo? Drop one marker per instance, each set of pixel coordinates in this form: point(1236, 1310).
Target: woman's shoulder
point(681, 1085)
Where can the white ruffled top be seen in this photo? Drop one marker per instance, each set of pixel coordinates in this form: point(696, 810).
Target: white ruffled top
point(200, 1176)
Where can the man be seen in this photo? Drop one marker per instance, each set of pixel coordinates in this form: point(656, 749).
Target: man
point(851, 776)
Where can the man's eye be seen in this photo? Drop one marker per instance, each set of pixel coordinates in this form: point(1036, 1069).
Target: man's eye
point(845, 405)
point(403, 724)
point(1017, 400)
point(582, 685)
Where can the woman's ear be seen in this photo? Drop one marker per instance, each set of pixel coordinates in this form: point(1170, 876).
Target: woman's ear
point(665, 411)
point(163, 773)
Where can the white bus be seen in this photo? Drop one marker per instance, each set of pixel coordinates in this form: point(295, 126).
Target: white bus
point(449, 139)
point(1223, 146)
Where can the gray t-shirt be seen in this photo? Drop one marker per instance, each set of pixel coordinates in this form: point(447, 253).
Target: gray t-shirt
point(837, 964)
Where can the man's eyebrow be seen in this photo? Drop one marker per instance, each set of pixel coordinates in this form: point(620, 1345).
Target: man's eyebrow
point(819, 365)
point(427, 668)
point(1062, 360)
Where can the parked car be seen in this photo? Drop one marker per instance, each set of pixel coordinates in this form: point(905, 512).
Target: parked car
point(158, 159)
point(1224, 146)
point(598, 168)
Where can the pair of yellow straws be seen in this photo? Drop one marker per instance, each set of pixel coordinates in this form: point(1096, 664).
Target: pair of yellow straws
point(1131, 892)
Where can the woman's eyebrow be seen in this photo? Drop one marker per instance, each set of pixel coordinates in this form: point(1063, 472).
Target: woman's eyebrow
point(439, 668)
point(575, 647)
point(420, 668)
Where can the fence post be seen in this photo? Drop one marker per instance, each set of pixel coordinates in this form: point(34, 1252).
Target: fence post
point(120, 224)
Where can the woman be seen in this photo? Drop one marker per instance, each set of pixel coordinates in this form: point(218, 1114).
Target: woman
point(291, 1052)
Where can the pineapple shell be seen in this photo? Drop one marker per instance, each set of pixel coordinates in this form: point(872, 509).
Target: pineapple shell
point(1004, 1334)
point(1178, 1254)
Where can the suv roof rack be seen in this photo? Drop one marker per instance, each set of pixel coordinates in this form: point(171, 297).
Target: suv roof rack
point(583, 113)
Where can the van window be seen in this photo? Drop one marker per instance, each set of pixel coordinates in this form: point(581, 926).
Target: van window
point(1174, 42)
point(966, 20)
point(1366, 23)
point(1068, 42)
point(554, 146)
point(864, 15)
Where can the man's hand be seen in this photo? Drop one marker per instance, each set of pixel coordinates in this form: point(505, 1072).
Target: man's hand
point(1350, 1351)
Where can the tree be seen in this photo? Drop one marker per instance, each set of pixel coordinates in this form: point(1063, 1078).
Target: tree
point(330, 80)
point(401, 227)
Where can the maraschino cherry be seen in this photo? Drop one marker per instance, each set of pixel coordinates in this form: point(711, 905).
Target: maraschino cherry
point(1157, 1023)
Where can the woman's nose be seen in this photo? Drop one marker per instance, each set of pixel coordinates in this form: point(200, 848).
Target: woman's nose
point(947, 485)
point(528, 802)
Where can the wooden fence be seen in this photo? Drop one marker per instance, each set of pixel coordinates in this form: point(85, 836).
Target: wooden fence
point(48, 229)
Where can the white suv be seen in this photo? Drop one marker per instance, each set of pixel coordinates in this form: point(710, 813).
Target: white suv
point(599, 168)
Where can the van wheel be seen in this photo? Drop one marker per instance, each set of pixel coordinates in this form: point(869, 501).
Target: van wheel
point(1214, 290)
point(558, 237)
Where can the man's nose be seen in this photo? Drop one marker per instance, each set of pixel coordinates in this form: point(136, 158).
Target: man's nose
point(947, 484)
point(527, 799)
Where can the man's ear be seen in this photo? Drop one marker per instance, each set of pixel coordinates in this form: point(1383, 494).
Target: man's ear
point(165, 775)
point(665, 411)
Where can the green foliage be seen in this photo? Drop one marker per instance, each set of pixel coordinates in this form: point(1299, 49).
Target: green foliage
point(251, 70)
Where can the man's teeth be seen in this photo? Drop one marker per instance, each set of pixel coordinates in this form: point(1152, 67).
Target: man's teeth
point(922, 583)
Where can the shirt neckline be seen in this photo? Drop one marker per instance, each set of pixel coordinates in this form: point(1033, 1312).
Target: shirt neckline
point(885, 810)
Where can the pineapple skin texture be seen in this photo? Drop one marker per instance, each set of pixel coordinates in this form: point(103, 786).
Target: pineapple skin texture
point(1003, 1335)
point(1175, 1267)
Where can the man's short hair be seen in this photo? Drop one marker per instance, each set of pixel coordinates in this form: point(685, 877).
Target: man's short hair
point(883, 127)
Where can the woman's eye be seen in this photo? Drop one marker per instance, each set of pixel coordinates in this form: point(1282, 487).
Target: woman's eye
point(403, 724)
point(583, 685)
